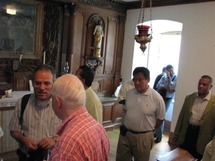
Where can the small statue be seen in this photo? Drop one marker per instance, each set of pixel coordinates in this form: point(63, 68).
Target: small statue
point(98, 34)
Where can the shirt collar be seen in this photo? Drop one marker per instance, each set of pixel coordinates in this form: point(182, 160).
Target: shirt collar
point(146, 93)
point(66, 122)
point(42, 104)
point(208, 97)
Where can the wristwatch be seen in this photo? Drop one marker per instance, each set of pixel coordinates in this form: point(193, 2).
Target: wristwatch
point(55, 138)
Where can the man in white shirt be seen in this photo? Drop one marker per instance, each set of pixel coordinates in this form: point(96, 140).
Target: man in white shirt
point(145, 111)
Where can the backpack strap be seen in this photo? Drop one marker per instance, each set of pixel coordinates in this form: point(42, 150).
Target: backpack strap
point(24, 102)
point(174, 78)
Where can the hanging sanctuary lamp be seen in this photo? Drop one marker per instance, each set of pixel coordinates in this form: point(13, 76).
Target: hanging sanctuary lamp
point(143, 36)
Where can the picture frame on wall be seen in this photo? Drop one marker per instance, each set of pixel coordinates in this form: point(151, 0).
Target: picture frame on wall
point(20, 29)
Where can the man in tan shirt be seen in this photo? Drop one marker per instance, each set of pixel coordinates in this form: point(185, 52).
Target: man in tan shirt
point(93, 103)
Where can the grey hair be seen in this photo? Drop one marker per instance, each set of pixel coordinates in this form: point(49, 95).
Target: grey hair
point(70, 89)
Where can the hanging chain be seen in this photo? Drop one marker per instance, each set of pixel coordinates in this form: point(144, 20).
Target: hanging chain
point(141, 14)
point(150, 5)
point(151, 15)
point(143, 8)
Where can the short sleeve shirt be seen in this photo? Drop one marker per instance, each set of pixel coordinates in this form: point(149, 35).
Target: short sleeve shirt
point(142, 110)
point(38, 122)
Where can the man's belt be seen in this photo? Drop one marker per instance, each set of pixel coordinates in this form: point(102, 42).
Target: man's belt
point(193, 126)
point(139, 132)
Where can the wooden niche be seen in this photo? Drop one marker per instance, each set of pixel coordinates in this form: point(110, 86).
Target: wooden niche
point(94, 41)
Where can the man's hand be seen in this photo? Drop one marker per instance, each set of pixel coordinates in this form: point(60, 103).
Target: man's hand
point(46, 143)
point(30, 144)
point(171, 90)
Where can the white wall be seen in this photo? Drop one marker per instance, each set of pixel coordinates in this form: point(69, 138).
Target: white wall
point(197, 55)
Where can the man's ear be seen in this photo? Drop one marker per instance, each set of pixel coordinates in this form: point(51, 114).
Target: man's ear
point(59, 102)
point(82, 80)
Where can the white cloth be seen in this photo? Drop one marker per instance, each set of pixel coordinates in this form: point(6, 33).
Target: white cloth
point(125, 87)
point(11, 101)
point(116, 93)
point(1, 132)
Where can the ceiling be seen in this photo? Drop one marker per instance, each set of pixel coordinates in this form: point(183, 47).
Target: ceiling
point(132, 4)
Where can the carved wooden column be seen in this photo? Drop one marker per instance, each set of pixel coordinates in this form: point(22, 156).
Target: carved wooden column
point(69, 11)
point(51, 35)
point(119, 50)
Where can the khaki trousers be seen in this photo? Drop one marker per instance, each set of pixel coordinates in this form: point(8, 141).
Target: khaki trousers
point(136, 145)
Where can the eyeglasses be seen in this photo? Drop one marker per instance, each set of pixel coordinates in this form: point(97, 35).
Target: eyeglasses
point(38, 84)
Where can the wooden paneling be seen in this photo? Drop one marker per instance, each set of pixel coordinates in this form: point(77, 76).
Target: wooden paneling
point(16, 79)
point(20, 80)
point(107, 111)
point(111, 48)
point(77, 39)
point(112, 116)
point(107, 86)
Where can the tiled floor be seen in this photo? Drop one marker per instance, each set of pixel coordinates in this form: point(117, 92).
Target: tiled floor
point(158, 149)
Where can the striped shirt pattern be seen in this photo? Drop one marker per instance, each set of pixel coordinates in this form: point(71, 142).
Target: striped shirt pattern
point(38, 122)
point(81, 139)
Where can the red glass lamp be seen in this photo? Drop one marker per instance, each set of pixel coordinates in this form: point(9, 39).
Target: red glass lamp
point(143, 36)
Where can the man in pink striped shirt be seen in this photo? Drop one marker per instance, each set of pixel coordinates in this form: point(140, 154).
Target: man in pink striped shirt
point(81, 138)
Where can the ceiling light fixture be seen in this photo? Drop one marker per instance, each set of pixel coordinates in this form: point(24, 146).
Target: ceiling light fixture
point(143, 36)
point(10, 10)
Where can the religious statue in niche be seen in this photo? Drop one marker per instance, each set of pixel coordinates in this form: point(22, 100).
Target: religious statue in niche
point(98, 35)
point(94, 41)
